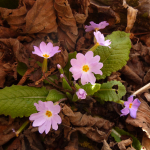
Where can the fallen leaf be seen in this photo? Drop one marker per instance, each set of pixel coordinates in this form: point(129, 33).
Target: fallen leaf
point(142, 119)
point(122, 145)
point(68, 31)
point(146, 142)
point(41, 18)
point(105, 146)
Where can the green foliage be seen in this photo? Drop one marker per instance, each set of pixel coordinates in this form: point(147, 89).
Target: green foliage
point(67, 67)
point(55, 95)
point(21, 68)
point(91, 89)
point(136, 143)
point(52, 78)
point(65, 85)
point(116, 57)
point(108, 93)
point(10, 4)
point(18, 101)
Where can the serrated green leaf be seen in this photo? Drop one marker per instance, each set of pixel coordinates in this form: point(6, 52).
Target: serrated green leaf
point(91, 89)
point(67, 67)
point(10, 4)
point(55, 95)
point(18, 101)
point(136, 143)
point(116, 57)
point(106, 92)
point(21, 68)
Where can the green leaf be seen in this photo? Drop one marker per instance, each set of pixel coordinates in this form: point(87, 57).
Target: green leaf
point(75, 97)
point(10, 4)
point(67, 67)
point(108, 93)
point(55, 95)
point(65, 85)
point(52, 78)
point(91, 89)
point(21, 68)
point(116, 57)
point(136, 143)
point(18, 101)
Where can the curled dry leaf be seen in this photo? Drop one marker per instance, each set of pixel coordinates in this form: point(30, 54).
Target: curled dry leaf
point(131, 16)
point(17, 49)
point(122, 145)
point(15, 17)
point(146, 142)
point(91, 126)
point(41, 18)
point(147, 95)
point(105, 146)
point(142, 119)
point(82, 16)
point(131, 75)
point(7, 32)
point(68, 31)
point(2, 76)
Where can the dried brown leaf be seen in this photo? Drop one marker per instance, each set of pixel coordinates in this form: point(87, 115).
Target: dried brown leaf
point(15, 17)
point(122, 145)
point(41, 18)
point(68, 31)
point(131, 75)
point(131, 16)
point(146, 142)
point(7, 32)
point(142, 119)
point(105, 146)
point(17, 49)
point(15, 145)
point(2, 76)
point(95, 128)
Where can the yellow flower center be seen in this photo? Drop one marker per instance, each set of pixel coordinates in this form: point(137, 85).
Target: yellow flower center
point(85, 68)
point(48, 113)
point(96, 29)
point(45, 55)
point(130, 105)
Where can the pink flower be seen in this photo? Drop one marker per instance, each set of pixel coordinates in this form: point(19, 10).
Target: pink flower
point(131, 106)
point(84, 66)
point(81, 93)
point(46, 51)
point(47, 116)
point(101, 39)
point(94, 26)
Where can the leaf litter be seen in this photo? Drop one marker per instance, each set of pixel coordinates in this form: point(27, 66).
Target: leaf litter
point(35, 21)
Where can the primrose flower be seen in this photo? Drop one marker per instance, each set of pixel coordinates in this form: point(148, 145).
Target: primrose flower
point(131, 106)
point(101, 39)
point(84, 66)
point(46, 117)
point(46, 51)
point(94, 26)
point(81, 93)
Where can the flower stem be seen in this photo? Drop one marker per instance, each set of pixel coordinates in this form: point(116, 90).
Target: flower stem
point(120, 102)
point(44, 65)
point(144, 88)
point(94, 47)
point(77, 86)
point(115, 132)
point(21, 128)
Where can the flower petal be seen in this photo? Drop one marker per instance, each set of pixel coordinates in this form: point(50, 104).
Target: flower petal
point(136, 103)
point(89, 28)
point(94, 25)
point(37, 51)
point(133, 112)
point(56, 109)
point(48, 124)
point(54, 51)
point(54, 124)
point(36, 116)
point(49, 48)
point(39, 121)
point(96, 68)
point(88, 77)
point(43, 47)
point(81, 58)
point(57, 119)
point(103, 24)
point(40, 106)
point(124, 111)
point(76, 71)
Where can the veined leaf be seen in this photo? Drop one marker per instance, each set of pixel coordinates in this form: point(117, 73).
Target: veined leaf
point(108, 93)
point(116, 57)
point(18, 101)
point(55, 95)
